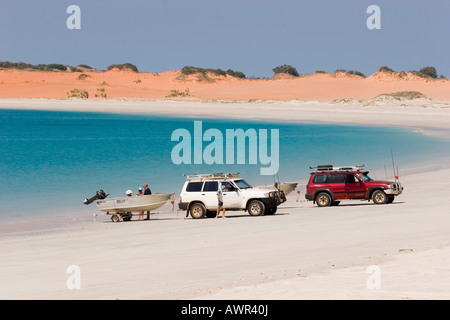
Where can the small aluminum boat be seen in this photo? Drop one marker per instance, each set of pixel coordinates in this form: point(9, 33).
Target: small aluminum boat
point(286, 187)
point(134, 203)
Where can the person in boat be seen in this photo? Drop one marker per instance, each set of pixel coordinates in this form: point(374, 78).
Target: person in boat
point(141, 213)
point(129, 193)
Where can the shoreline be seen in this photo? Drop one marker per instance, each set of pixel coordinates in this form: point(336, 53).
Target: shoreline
point(44, 225)
point(31, 225)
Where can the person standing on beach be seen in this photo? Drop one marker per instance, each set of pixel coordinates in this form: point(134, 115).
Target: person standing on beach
point(147, 192)
point(141, 213)
point(220, 201)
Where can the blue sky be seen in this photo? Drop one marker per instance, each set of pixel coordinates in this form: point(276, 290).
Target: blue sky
point(251, 36)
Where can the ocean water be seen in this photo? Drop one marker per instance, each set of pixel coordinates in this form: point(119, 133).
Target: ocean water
point(51, 161)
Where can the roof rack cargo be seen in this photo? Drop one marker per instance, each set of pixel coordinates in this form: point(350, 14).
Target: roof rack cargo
point(211, 176)
point(328, 167)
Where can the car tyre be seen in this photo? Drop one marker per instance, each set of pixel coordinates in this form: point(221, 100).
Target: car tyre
point(323, 199)
point(197, 210)
point(379, 197)
point(256, 208)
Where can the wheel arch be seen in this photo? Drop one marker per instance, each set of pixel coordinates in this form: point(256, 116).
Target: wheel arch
point(249, 201)
point(372, 190)
point(194, 202)
point(330, 193)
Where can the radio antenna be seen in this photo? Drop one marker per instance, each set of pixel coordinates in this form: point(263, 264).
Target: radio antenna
point(393, 165)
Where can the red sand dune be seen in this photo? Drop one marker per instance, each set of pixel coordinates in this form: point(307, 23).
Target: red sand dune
point(128, 84)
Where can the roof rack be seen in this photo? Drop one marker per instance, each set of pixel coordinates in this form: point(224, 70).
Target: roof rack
point(211, 176)
point(329, 167)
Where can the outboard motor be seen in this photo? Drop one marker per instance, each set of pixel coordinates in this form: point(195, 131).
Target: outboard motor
point(100, 194)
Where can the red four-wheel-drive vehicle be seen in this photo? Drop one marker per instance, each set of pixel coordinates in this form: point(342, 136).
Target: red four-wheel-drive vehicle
point(329, 185)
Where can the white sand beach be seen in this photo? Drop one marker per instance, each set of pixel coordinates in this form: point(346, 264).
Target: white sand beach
point(423, 115)
point(302, 252)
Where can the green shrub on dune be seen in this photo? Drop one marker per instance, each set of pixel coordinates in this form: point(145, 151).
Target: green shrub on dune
point(187, 70)
point(386, 69)
point(429, 72)
point(124, 66)
point(286, 69)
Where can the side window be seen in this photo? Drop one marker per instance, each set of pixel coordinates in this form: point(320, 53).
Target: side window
point(320, 178)
point(351, 178)
point(194, 186)
point(336, 178)
point(211, 186)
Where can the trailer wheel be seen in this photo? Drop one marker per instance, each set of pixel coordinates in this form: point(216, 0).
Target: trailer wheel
point(115, 218)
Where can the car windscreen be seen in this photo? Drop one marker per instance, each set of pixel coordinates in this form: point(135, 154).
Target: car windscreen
point(365, 177)
point(242, 184)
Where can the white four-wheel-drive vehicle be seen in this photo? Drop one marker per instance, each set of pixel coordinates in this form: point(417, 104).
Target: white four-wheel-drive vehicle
point(199, 195)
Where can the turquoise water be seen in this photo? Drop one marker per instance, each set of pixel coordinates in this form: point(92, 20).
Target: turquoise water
point(51, 161)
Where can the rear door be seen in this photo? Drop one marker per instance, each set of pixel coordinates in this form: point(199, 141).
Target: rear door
point(193, 191)
point(209, 194)
point(336, 183)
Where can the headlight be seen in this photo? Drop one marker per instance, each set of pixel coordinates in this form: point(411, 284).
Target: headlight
point(271, 194)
